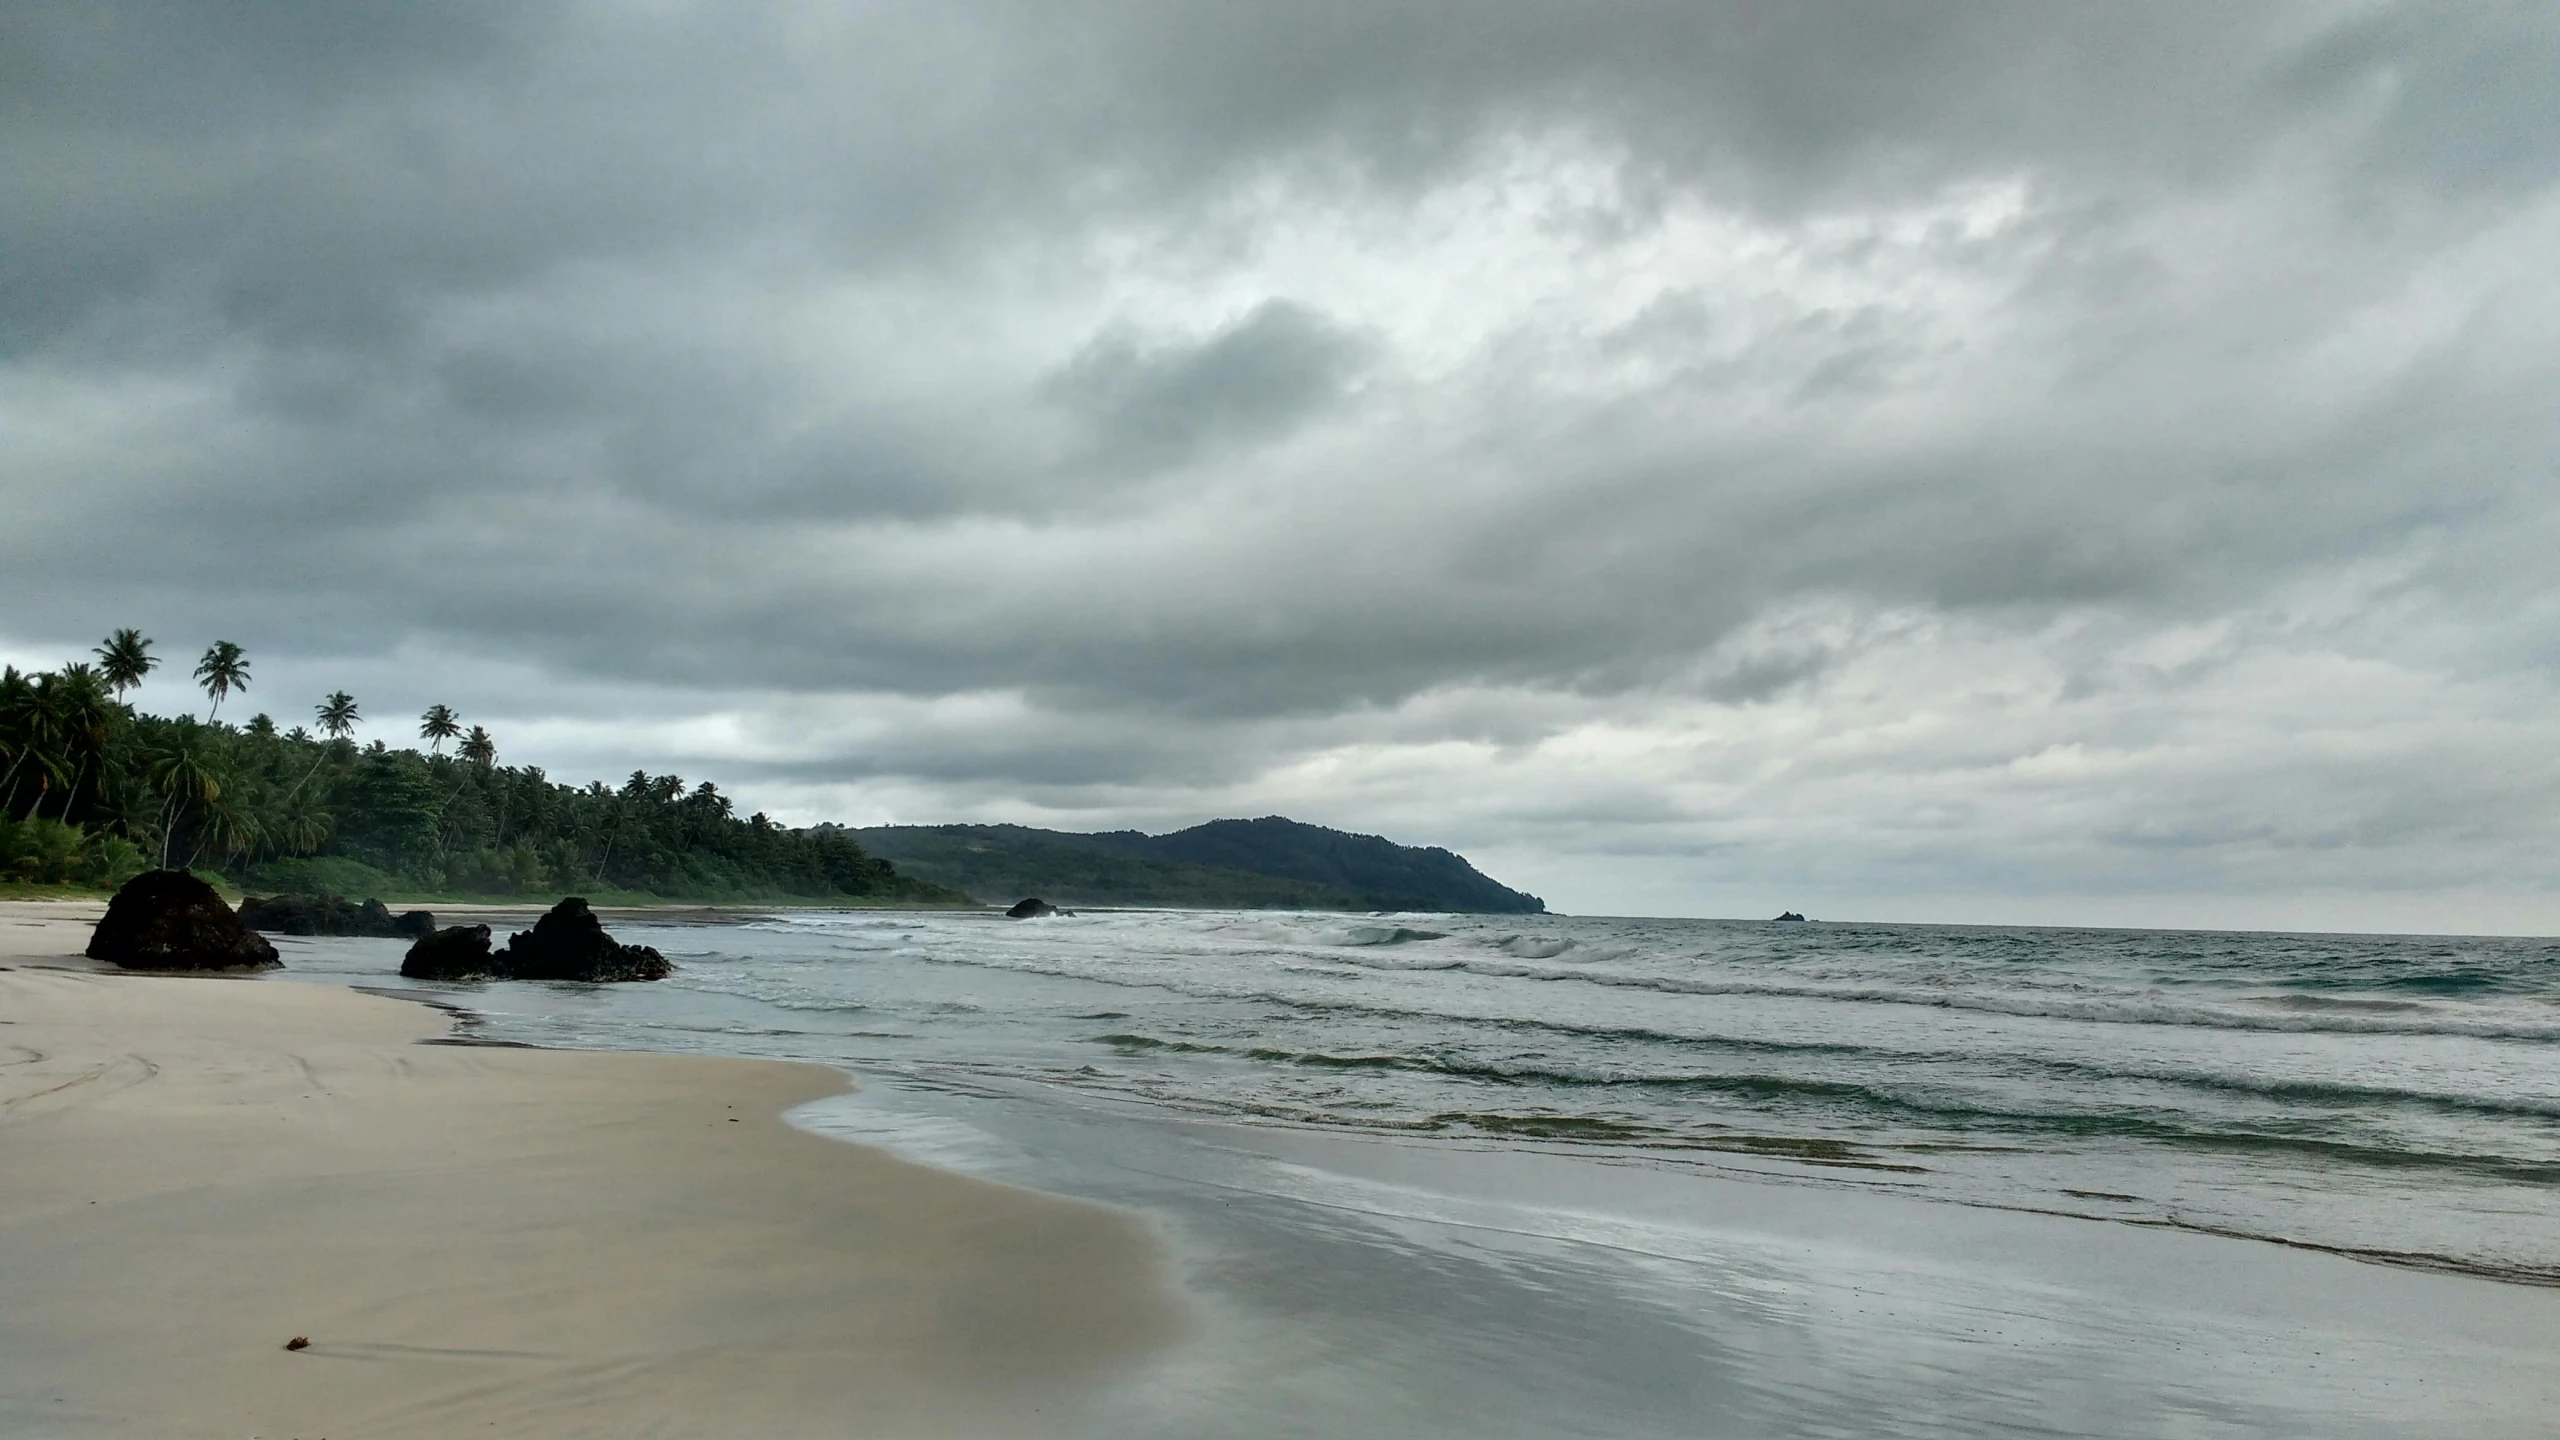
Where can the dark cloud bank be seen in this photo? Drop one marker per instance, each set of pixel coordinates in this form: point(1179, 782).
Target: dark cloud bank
point(1940, 461)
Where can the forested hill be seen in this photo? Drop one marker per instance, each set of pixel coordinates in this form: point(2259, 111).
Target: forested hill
point(1244, 864)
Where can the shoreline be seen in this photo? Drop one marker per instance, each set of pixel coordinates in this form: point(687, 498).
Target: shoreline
point(1332, 1281)
point(465, 1020)
point(497, 1240)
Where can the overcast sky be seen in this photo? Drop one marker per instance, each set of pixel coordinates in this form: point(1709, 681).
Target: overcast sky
point(1971, 462)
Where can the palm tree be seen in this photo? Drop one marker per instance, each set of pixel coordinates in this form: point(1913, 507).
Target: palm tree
point(16, 689)
point(224, 668)
point(297, 825)
point(479, 752)
point(183, 772)
point(230, 827)
point(338, 716)
point(87, 716)
point(125, 659)
point(438, 725)
point(37, 725)
point(13, 689)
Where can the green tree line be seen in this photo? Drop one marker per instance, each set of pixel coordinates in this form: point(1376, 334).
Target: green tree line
point(92, 792)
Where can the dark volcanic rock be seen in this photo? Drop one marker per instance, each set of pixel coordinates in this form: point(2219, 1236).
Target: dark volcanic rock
point(1791, 915)
point(417, 923)
point(570, 944)
point(279, 914)
point(1031, 909)
point(325, 915)
point(170, 920)
point(461, 953)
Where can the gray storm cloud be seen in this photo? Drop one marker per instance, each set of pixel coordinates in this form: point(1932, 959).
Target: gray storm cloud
point(1963, 461)
point(1157, 405)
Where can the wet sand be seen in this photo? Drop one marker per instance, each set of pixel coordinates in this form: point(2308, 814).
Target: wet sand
point(495, 1241)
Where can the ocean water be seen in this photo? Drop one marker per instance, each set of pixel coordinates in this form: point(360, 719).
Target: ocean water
point(1563, 1175)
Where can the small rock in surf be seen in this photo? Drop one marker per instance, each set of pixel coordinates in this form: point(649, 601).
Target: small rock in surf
point(458, 953)
point(569, 943)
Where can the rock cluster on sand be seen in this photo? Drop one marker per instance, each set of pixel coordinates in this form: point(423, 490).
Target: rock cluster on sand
point(170, 920)
point(331, 915)
point(569, 943)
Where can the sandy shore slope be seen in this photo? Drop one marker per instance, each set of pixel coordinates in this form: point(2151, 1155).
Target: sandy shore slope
point(495, 1242)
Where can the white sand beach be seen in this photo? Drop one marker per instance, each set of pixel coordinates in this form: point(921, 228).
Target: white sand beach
point(494, 1241)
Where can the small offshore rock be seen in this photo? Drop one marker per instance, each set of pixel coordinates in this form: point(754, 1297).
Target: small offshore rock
point(569, 943)
point(460, 953)
point(170, 920)
point(298, 1342)
point(417, 923)
point(1790, 916)
point(1031, 909)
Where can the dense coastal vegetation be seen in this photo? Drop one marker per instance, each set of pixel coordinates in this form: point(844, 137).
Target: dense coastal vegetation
point(93, 792)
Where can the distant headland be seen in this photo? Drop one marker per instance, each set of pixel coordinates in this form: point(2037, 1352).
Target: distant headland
point(1270, 863)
